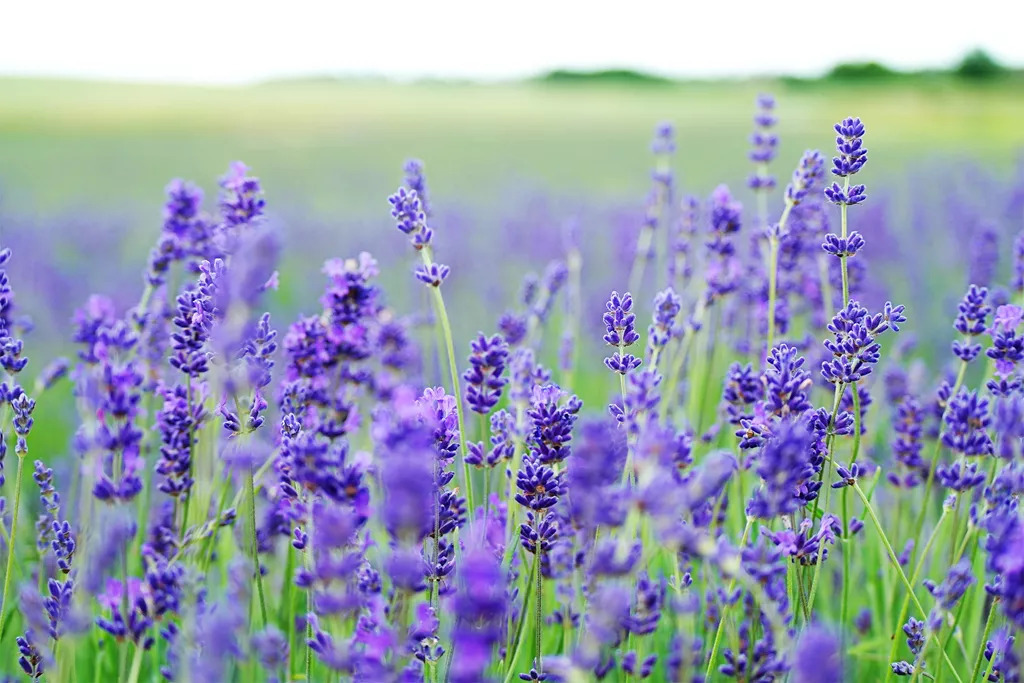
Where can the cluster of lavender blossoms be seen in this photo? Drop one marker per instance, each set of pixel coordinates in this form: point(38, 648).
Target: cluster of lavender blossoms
point(772, 494)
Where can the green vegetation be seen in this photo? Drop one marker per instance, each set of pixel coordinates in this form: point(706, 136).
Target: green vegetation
point(333, 147)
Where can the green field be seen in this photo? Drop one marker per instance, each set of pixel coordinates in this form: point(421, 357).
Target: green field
point(335, 148)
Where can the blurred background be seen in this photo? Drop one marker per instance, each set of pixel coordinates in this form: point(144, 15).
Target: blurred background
point(528, 120)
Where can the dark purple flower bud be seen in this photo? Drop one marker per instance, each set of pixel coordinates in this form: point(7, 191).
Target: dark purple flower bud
point(837, 195)
point(847, 476)
point(763, 142)
point(619, 321)
point(479, 606)
point(817, 658)
point(667, 306)
point(416, 181)
point(512, 327)
point(960, 477)
point(983, 258)
point(241, 197)
point(432, 275)
point(410, 218)
point(953, 587)
point(967, 420)
point(622, 364)
point(786, 383)
point(539, 486)
point(843, 248)
point(807, 175)
point(850, 147)
point(742, 389)
point(783, 464)
point(1018, 263)
point(484, 376)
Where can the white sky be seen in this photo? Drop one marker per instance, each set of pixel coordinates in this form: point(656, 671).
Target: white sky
point(228, 41)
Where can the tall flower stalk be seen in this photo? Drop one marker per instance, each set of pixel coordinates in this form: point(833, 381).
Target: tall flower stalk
point(411, 218)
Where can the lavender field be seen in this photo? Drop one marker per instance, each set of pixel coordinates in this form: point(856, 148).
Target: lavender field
point(449, 384)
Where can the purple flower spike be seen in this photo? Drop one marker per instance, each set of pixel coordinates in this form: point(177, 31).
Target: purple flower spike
point(432, 275)
point(619, 321)
point(807, 175)
point(854, 195)
point(484, 376)
point(850, 146)
point(241, 197)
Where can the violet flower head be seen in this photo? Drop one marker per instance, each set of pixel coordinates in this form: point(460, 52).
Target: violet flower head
point(1017, 282)
point(664, 139)
point(742, 389)
point(852, 155)
point(432, 275)
point(410, 218)
point(953, 587)
point(416, 181)
point(723, 269)
point(783, 464)
point(908, 424)
point(967, 420)
point(487, 361)
point(241, 196)
point(786, 383)
point(854, 349)
point(817, 658)
point(196, 313)
point(763, 142)
point(970, 322)
point(667, 306)
point(539, 486)
point(1007, 348)
point(479, 607)
point(513, 327)
point(983, 258)
point(620, 332)
point(809, 172)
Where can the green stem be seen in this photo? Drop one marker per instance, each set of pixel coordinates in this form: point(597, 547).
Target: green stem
point(538, 601)
point(512, 652)
point(930, 482)
point(983, 643)
point(845, 600)
point(842, 259)
point(984, 639)
point(896, 563)
point(446, 330)
point(133, 677)
point(254, 547)
point(286, 615)
point(918, 566)
point(830, 442)
point(11, 546)
point(773, 274)
point(725, 608)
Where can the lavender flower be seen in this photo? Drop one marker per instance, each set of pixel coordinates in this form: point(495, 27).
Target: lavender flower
point(620, 332)
point(763, 142)
point(970, 322)
point(807, 175)
point(783, 464)
point(484, 376)
point(817, 658)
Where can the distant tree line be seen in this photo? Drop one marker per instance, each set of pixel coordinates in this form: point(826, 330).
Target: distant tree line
point(977, 65)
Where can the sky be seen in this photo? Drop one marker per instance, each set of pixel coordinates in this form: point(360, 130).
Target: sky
point(227, 41)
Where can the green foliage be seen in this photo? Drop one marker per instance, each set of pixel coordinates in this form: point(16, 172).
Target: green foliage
point(604, 76)
point(978, 65)
point(862, 71)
